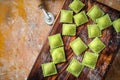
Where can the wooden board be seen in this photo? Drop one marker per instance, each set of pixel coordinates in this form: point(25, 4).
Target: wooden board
point(109, 37)
point(112, 3)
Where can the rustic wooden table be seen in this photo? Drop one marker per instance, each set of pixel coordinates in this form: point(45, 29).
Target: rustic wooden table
point(22, 34)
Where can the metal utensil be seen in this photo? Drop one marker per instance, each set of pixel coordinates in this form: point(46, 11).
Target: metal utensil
point(48, 16)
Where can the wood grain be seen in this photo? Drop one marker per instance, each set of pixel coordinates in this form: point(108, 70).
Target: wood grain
point(106, 57)
point(23, 32)
point(115, 4)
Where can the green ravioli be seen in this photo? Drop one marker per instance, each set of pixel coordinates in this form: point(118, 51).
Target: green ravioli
point(95, 12)
point(58, 55)
point(66, 16)
point(76, 5)
point(94, 31)
point(90, 60)
point(116, 25)
point(80, 18)
point(69, 29)
point(55, 41)
point(78, 46)
point(75, 68)
point(96, 45)
point(49, 69)
point(104, 22)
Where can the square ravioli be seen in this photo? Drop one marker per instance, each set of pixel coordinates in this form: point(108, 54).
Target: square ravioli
point(90, 60)
point(75, 68)
point(95, 12)
point(76, 6)
point(55, 41)
point(96, 45)
point(48, 69)
point(80, 18)
point(78, 46)
point(93, 31)
point(104, 22)
point(116, 25)
point(66, 16)
point(58, 55)
point(69, 29)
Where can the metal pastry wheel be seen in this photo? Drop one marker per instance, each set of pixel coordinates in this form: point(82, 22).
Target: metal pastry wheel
point(48, 16)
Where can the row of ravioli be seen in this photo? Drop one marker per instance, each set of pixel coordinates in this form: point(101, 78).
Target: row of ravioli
point(101, 20)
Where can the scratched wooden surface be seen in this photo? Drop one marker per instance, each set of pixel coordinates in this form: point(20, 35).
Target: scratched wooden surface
point(109, 37)
point(22, 34)
point(112, 3)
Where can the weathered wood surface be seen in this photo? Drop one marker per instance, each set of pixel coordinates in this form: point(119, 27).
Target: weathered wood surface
point(106, 57)
point(112, 3)
point(22, 34)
